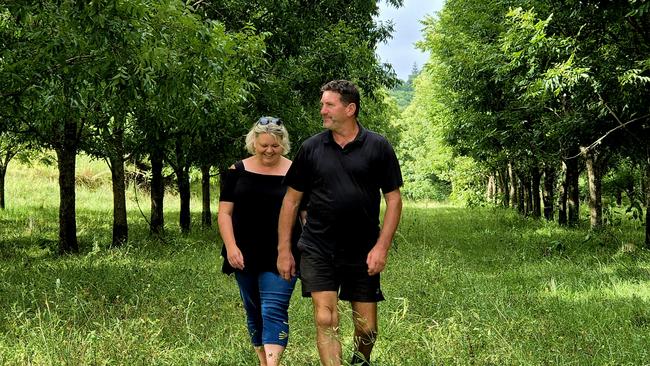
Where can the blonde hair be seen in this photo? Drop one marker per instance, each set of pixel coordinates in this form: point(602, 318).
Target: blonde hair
point(278, 131)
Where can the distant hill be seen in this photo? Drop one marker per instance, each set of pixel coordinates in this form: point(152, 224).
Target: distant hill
point(403, 92)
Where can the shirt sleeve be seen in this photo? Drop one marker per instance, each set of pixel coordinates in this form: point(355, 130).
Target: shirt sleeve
point(299, 174)
point(391, 175)
point(227, 185)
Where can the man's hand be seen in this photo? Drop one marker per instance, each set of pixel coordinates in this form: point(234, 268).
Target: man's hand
point(378, 255)
point(286, 265)
point(376, 259)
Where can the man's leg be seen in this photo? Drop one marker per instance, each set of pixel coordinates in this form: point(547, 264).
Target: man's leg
point(365, 329)
point(326, 317)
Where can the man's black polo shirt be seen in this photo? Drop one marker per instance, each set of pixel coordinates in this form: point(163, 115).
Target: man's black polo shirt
point(342, 188)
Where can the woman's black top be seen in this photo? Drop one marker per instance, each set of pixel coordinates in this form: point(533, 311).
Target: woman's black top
point(257, 199)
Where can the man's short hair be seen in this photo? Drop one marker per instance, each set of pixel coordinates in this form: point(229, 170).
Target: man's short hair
point(347, 90)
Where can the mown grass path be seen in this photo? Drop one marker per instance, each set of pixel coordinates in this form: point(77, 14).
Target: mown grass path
point(463, 286)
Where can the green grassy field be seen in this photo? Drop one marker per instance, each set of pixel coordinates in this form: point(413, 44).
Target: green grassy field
point(463, 287)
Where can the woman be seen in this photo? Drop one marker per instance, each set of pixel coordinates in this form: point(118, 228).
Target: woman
point(249, 206)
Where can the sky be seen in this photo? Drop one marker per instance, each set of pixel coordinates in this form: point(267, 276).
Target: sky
point(400, 51)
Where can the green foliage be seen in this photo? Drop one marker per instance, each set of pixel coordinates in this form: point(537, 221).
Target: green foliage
point(176, 81)
point(468, 184)
point(403, 91)
point(526, 84)
point(378, 113)
point(140, 73)
point(426, 160)
point(636, 76)
point(308, 44)
point(623, 198)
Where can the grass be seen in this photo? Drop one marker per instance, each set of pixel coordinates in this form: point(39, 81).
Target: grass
point(463, 286)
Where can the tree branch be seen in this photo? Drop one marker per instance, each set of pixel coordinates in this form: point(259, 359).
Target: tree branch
point(80, 57)
point(599, 140)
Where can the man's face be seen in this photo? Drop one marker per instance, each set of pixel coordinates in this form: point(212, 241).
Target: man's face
point(333, 111)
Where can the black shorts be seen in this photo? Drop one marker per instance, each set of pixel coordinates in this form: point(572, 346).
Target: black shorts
point(351, 281)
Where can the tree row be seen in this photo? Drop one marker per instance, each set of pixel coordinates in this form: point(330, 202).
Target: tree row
point(537, 92)
point(172, 84)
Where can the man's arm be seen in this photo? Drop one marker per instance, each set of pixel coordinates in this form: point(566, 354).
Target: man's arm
point(376, 259)
point(288, 212)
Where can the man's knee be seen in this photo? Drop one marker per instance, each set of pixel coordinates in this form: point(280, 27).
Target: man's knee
point(326, 317)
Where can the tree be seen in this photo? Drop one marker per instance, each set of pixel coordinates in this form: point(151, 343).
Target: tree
point(207, 80)
point(426, 160)
point(465, 56)
point(11, 119)
point(53, 71)
point(308, 44)
point(10, 146)
point(105, 77)
point(113, 135)
point(526, 90)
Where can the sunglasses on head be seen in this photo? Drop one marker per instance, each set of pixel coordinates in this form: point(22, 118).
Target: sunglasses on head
point(266, 120)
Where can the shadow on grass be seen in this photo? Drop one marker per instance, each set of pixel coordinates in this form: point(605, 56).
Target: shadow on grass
point(30, 262)
point(144, 292)
point(37, 228)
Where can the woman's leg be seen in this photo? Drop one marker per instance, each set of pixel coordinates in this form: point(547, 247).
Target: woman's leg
point(275, 294)
point(250, 295)
point(261, 355)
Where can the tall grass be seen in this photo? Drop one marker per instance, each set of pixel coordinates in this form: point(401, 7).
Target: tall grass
point(463, 287)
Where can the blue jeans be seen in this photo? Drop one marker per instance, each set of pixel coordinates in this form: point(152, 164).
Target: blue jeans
point(266, 300)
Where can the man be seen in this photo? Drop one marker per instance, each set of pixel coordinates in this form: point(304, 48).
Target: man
point(340, 172)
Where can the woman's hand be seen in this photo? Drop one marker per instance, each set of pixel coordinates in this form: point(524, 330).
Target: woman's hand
point(235, 258)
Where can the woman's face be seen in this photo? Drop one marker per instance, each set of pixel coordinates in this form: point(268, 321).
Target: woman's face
point(268, 149)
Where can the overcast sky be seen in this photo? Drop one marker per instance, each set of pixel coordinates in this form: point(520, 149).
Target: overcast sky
point(400, 51)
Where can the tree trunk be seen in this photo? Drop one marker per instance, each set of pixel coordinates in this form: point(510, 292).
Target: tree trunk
point(490, 192)
point(631, 192)
point(120, 224)
point(503, 188)
point(644, 185)
point(183, 180)
point(562, 198)
point(593, 161)
point(573, 192)
point(66, 160)
point(521, 193)
point(206, 215)
point(618, 194)
point(3, 174)
point(528, 196)
point(4, 165)
point(536, 178)
point(647, 202)
point(156, 225)
point(549, 192)
point(513, 186)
